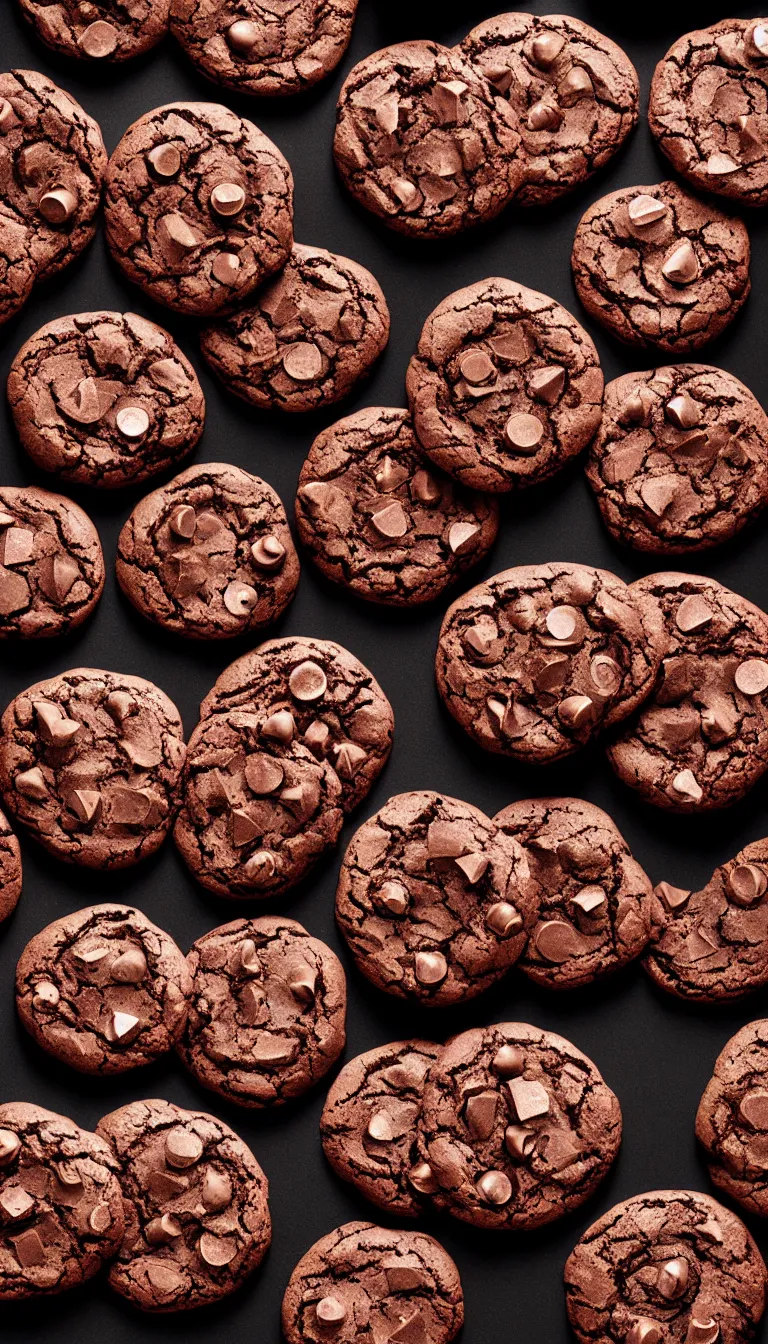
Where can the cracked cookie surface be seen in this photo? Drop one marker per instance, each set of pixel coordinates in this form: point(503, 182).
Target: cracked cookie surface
point(732, 1119)
point(51, 564)
point(98, 30)
point(199, 207)
point(10, 869)
point(379, 519)
point(90, 764)
point(574, 92)
point(267, 1018)
point(517, 1126)
point(18, 271)
point(701, 740)
point(103, 989)
point(659, 268)
point(538, 660)
point(196, 1214)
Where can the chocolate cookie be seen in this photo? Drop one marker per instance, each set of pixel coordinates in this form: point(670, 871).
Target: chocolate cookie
point(374, 1286)
point(368, 1126)
point(701, 740)
point(670, 1264)
point(18, 271)
point(594, 900)
point(732, 1119)
point(434, 901)
point(103, 989)
point(268, 50)
point(197, 1218)
point(712, 944)
point(379, 519)
point(424, 142)
point(505, 387)
point(317, 693)
point(199, 207)
point(98, 30)
point(660, 268)
point(209, 555)
point(313, 333)
point(51, 564)
point(105, 399)
point(90, 764)
point(62, 1209)
point(708, 108)
point(574, 92)
point(680, 462)
point(537, 661)
point(10, 869)
point(258, 809)
point(268, 1011)
point(517, 1126)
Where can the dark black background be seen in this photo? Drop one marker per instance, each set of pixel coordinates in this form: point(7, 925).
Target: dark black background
point(656, 1053)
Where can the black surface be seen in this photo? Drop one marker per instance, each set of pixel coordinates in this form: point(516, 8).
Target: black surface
point(657, 1054)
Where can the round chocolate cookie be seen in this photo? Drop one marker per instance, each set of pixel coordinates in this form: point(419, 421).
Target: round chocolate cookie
point(268, 1011)
point(660, 268)
point(317, 693)
point(505, 386)
point(701, 740)
point(209, 555)
point(103, 989)
point(373, 1284)
point(269, 50)
point(62, 1208)
point(708, 108)
point(574, 92)
point(10, 869)
point(258, 807)
point(680, 462)
point(199, 207)
point(98, 30)
point(18, 271)
point(379, 519)
point(594, 900)
point(712, 944)
point(90, 764)
point(51, 564)
point(424, 142)
point(105, 399)
point(313, 333)
point(667, 1265)
point(517, 1126)
point(434, 901)
point(196, 1211)
point(368, 1126)
point(732, 1119)
point(538, 660)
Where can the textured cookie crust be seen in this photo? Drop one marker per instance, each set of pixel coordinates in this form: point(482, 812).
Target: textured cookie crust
point(90, 764)
point(669, 1264)
point(10, 869)
point(370, 1284)
point(270, 50)
point(377, 517)
point(18, 271)
point(51, 564)
point(339, 711)
point(594, 900)
point(732, 1119)
point(99, 30)
point(670, 279)
point(105, 399)
point(538, 660)
point(517, 1126)
point(199, 207)
point(268, 1011)
point(434, 901)
point(103, 989)
point(680, 462)
point(701, 739)
point(61, 1201)
point(424, 142)
point(574, 92)
point(313, 334)
point(707, 108)
point(196, 1211)
point(368, 1126)
point(209, 555)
